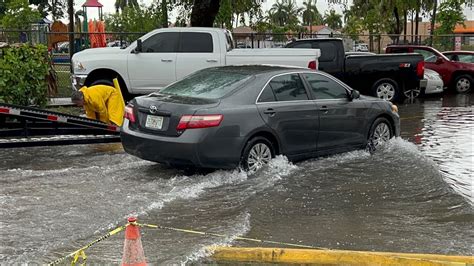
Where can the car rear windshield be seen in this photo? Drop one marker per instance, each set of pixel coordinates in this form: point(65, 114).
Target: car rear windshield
point(208, 84)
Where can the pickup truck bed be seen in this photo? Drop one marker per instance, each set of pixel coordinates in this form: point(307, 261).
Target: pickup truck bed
point(390, 77)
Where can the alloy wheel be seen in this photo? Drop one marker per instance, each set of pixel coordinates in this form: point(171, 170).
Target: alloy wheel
point(385, 91)
point(381, 135)
point(463, 85)
point(259, 155)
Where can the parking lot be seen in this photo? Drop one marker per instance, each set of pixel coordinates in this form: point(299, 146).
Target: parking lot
point(413, 195)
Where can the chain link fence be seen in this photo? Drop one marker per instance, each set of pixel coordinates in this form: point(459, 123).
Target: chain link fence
point(58, 44)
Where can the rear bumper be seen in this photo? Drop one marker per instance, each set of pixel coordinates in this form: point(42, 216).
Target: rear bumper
point(434, 86)
point(195, 148)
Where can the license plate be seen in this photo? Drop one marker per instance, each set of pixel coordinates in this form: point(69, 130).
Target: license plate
point(154, 122)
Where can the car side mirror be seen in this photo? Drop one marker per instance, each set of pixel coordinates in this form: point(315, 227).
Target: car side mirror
point(138, 49)
point(439, 60)
point(355, 94)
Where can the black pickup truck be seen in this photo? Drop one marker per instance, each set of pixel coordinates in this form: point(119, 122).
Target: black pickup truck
point(390, 77)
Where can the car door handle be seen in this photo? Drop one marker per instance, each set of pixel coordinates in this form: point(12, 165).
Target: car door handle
point(211, 60)
point(324, 109)
point(166, 60)
point(269, 112)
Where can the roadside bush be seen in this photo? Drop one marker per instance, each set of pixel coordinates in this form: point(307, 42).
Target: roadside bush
point(23, 72)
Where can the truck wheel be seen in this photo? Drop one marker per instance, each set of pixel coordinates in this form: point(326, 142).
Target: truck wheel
point(463, 83)
point(257, 153)
point(106, 81)
point(386, 89)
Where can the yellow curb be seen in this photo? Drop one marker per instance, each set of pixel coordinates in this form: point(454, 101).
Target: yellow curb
point(334, 257)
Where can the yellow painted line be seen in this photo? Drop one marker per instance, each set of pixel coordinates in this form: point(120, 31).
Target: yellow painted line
point(334, 257)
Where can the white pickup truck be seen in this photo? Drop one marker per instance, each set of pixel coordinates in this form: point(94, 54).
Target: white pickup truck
point(163, 56)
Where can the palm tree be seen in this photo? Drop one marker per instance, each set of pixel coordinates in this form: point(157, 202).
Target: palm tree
point(311, 14)
point(284, 13)
point(333, 20)
point(277, 14)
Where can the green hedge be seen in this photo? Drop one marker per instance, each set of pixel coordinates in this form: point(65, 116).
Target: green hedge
point(23, 72)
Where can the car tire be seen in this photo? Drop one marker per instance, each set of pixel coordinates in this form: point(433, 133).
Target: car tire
point(257, 152)
point(386, 89)
point(126, 95)
point(380, 132)
point(463, 83)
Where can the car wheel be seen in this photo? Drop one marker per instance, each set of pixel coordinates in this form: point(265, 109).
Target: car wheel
point(380, 132)
point(257, 153)
point(386, 89)
point(463, 83)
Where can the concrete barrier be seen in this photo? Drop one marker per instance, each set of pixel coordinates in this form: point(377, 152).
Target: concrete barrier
point(334, 257)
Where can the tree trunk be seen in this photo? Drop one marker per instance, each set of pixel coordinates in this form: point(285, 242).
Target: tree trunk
point(397, 29)
point(417, 17)
point(433, 21)
point(204, 13)
point(405, 26)
point(164, 13)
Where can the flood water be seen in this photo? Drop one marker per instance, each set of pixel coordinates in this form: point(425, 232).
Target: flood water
point(413, 195)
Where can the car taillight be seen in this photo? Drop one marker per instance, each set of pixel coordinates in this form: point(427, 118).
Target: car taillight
point(313, 65)
point(420, 69)
point(199, 121)
point(129, 114)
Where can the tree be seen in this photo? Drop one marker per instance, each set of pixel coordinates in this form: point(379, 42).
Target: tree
point(134, 19)
point(120, 5)
point(19, 15)
point(55, 8)
point(451, 14)
point(333, 20)
point(284, 13)
point(311, 15)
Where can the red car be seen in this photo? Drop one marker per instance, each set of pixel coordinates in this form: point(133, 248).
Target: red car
point(455, 74)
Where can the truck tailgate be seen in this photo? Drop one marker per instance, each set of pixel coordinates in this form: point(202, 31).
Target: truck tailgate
point(275, 56)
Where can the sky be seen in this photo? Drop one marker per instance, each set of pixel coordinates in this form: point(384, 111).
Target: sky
point(323, 6)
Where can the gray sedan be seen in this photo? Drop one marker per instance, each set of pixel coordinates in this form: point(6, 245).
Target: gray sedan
point(233, 116)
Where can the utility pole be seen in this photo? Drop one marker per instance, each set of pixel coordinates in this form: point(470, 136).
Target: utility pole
point(164, 13)
point(70, 9)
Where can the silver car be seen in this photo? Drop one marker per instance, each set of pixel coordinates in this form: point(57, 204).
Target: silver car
point(435, 82)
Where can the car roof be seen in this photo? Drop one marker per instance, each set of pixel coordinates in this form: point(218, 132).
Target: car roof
point(408, 46)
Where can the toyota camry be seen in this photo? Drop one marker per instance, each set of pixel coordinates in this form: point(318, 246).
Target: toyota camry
point(233, 116)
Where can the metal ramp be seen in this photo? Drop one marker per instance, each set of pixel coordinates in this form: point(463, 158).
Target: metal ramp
point(22, 126)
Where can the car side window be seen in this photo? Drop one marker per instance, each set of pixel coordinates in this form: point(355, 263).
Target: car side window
point(328, 51)
point(324, 88)
point(196, 42)
point(427, 55)
point(267, 95)
point(288, 88)
point(164, 42)
point(466, 58)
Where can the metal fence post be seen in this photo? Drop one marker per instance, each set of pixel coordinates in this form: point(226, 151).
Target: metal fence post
point(251, 39)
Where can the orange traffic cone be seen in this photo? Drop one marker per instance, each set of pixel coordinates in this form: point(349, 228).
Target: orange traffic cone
point(133, 254)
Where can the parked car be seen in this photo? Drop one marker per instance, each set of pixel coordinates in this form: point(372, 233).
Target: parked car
point(435, 82)
point(457, 75)
point(389, 77)
point(361, 47)
point(460, 56)
point(163, 56)
point(228, 116)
